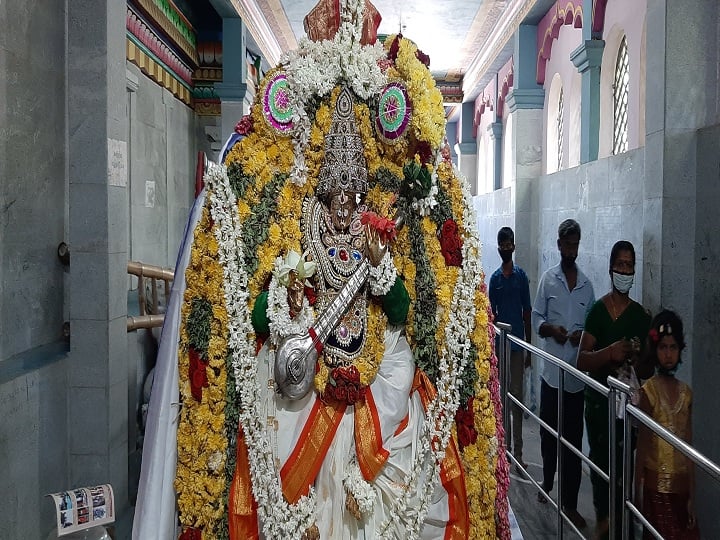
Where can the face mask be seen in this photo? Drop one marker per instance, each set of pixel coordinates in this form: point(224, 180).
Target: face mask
point(505, 254)
point(623, 282)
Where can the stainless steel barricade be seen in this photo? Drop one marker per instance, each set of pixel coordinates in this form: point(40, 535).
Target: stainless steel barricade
point(612, 391)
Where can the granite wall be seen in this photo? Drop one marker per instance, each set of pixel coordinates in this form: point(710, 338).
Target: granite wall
point(33, 206)
point(705, 364)
point(161, 180)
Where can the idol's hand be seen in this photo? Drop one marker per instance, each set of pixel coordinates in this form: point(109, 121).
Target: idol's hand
point(296, 294)
point(376, 248)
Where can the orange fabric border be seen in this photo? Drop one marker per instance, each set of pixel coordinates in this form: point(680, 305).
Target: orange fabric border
point(242, 508)
point(368, 438)
point(451, 471)
point(303, 465)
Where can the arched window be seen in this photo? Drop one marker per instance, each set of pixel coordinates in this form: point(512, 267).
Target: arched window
point(559, 128)
point(621, 83)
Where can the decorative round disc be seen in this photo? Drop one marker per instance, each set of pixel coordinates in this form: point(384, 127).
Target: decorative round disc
point(276, 103)
point(394, 111)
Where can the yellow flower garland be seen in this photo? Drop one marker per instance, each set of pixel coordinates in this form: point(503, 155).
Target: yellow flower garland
point(428, 118)
point(201, 440)
point(263, 154)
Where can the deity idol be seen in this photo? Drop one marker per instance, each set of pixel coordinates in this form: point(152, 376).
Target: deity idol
point(327, 338)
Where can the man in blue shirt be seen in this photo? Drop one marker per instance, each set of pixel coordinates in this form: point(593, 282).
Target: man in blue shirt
point(509, 293)
point(564, 297)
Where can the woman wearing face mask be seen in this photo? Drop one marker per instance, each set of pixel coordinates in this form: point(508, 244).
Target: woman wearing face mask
point(611, 344)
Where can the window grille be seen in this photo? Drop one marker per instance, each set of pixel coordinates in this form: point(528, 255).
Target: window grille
point(559, 129)
point(620, 99)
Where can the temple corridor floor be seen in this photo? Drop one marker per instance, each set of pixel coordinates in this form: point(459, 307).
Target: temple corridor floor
point(539, 521)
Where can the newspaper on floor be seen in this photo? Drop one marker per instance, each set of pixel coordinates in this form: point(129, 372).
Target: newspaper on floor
point(83, 508)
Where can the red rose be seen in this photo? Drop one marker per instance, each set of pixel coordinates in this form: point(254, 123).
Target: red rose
point(245, 125)
point(341, 393)
point(196, 374)
point(449, 228)
point(424, 58)
point(466, 435)
point(191, 534)
point(353, 394)
point(424, 150)
point(464, 417)
point(394, 48)
point(451, 243)
point(353, 375)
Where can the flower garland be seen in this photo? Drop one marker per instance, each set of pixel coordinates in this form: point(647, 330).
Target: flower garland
point(201, 441)
point(256, 205)
point(382, 276)
point(428, 120)
point(363, 493)
point(281, 324)
point(453, 358)
point(279, 519)
point(313, 70)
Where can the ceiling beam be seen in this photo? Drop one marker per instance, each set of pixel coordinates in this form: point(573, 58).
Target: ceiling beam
point(256, 24)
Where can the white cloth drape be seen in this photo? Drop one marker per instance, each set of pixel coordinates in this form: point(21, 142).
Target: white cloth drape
point(155, 510)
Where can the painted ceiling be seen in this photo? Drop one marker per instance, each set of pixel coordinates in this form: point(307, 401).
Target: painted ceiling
point(467, 40)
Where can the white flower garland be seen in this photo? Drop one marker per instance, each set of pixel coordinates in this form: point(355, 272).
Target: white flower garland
point(315, 68)
point(279, 519)
point(440, 415)
point(281, 324)
point(362, 491)
point(383, 276)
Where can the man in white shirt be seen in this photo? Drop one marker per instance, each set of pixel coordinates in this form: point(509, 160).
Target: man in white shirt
point(563, 299)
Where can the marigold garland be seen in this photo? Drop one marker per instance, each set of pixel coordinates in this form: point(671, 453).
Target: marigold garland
point(202, 443)
point(270, 182)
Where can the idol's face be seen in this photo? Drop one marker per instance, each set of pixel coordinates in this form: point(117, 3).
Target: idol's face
point(342, 207)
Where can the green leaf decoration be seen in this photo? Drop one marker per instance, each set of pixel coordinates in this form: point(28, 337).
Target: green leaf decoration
point(469, 376)
point(443, 209)
point(198, 325)
point(239, 181)
point(255, 228)
point(232, 423)
point(387, 180)
point(426, 353)
point(418, 180)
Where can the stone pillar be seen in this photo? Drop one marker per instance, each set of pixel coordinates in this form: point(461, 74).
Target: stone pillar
point(587, 58)
point(680, 245)
point(98, 205)
point(466, 147)
point(452, 138)
point(496, 133)
point(525, 104)
point(234, 85)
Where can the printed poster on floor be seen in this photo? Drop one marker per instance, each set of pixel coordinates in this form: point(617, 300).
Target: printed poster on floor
point(82, 508)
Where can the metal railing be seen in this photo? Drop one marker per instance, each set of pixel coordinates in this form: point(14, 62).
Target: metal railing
point(150, 312)
point(613, 391)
